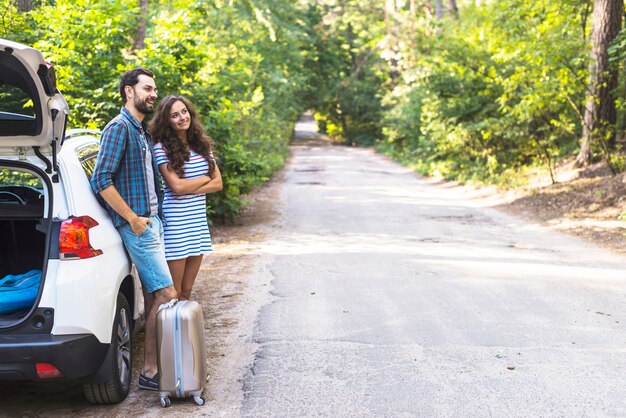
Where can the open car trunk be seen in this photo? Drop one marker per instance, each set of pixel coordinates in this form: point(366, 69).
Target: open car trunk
point(23, 238)
point(33, 114)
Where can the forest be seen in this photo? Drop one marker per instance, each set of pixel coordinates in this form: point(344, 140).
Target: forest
point(471, 90)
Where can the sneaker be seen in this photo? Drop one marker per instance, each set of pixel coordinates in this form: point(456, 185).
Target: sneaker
point(149, 383)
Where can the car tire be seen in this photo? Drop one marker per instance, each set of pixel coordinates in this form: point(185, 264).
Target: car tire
point(119, 360)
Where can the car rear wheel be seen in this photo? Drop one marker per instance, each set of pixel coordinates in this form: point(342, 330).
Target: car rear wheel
point(119, 360)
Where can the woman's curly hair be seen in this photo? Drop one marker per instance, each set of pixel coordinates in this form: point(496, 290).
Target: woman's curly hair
point(178, 152)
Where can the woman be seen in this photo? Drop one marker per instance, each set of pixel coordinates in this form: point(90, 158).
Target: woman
point(183, 152)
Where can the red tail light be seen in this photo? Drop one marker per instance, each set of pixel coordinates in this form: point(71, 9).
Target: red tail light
point(47, 371)
point(74, 239)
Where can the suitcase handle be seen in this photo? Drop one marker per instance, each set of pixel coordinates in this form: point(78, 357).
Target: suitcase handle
point(168, 304)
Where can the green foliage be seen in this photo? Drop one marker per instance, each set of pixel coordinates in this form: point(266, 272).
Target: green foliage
point(346, 66)
point(11, 21)
point(9, 177)
point(497, 91)
point(87, 41)
point(241, 63)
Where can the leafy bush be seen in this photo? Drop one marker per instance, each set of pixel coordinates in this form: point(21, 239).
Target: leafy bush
point(493, 95)
point(240, 63)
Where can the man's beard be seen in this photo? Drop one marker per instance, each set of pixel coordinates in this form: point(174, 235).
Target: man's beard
point(142, 106)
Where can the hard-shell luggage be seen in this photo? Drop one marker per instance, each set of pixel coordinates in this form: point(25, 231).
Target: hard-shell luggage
point(19, 291)
point(181, 351)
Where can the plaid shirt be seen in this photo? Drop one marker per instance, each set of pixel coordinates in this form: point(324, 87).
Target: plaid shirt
point(121, 163)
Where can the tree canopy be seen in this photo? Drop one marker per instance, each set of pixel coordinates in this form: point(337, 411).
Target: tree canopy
point(471, 90)
point(475, 91)
point(242, 64)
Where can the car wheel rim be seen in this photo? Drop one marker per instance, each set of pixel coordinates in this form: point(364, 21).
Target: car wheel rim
point(123, 347)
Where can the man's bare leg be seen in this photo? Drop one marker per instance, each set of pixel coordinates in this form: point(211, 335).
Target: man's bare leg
point(161, 296)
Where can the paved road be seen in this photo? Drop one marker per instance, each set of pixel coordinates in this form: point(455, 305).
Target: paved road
point(395, 296)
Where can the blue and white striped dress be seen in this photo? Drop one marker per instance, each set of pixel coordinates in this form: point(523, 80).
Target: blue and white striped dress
point(186, 228)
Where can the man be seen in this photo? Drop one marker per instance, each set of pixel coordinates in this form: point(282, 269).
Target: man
point(126, 177)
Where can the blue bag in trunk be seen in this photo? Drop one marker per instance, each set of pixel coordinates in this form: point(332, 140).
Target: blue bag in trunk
point(19, 291)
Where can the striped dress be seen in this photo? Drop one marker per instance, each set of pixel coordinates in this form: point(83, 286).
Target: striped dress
point(186, 228)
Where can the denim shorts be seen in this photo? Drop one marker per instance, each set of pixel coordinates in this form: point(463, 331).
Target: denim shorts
point(147, 253)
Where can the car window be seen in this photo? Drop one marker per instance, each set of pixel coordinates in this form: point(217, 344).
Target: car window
point(12, 177)
point(87, 156)
point(19, 188)
point(17, 114)
point(20, 108)
point(15, 103)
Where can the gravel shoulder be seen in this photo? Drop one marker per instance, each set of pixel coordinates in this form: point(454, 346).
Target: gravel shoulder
point(584, 202)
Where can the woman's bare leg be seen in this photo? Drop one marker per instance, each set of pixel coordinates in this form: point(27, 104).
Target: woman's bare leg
point(177, 269)
point(192, 266)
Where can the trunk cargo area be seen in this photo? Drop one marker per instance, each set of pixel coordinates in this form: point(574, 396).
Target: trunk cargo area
point(22, 242)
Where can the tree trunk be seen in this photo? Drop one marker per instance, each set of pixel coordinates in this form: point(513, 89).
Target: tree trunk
point(600, 110)
point(140, 36)
point(439, 9)
point(413, 21)
point(25, 5)
point(387, 22)
point(454, 10)
point(428, 8)
point(392, 35)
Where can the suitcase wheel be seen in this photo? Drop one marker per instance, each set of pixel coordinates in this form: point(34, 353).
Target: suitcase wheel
point(165, 401)
point(199, 400)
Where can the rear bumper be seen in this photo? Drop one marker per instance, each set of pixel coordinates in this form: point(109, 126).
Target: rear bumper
point(75, 356)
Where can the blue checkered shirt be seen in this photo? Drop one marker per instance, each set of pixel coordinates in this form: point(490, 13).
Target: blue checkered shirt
point(121, 163)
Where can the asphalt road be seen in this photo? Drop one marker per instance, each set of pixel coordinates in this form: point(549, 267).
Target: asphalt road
point(377, 293)
point(394, 296)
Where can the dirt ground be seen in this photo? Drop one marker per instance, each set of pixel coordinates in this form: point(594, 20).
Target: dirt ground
point(230, 305)
point(584, 202)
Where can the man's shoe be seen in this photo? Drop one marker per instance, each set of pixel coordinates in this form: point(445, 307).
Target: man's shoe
point(149, 383)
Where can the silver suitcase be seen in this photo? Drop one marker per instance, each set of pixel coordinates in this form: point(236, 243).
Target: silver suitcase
point(181, 351)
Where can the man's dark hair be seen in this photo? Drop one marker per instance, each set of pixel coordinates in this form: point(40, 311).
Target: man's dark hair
point(131, 78)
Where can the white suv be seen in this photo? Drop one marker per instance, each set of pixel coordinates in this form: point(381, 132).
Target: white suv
point(70, 300)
